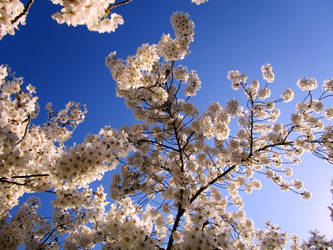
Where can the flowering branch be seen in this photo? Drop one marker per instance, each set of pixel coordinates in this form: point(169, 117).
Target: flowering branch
point(5, 179)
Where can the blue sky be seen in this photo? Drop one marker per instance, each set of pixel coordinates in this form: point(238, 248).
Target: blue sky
point(295, 37)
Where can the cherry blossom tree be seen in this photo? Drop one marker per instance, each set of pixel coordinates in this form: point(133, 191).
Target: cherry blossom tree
point(95, 14)
point(181, 174)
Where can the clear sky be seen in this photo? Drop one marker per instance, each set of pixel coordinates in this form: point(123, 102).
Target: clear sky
point(295, 37)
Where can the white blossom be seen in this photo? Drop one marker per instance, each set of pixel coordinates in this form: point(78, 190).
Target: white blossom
point(306, 84)
point(267, 73)
point(287, 95)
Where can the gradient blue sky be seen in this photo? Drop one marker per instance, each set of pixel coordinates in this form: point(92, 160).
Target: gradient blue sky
point(296, 37)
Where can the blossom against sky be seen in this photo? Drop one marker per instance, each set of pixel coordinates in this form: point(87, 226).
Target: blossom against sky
point(295, 37)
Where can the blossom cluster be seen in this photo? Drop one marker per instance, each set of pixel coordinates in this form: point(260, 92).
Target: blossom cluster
point(141, 70)
point(88, 161)
point(91, 13)
point(9, 10)
point(95, 14)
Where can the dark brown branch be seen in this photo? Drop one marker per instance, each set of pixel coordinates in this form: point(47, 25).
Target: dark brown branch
point(211, 183)
point(29, 176)
point(48, 235)
point(49, 191)
point(24, 12)
point(25, 130)
point(188, 140)
point(118, 4)
point(181, 210)
point(22, 184)
point(157, 143)
point(6, 180)
point(11, 182)
point(175, 225)
point(273, 145)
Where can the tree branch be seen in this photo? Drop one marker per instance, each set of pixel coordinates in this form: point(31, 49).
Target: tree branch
point(25, 130)
point(175, 225)
point(24, 12)
point(118, 4)
point(157, 143)
point(211, 183)
point(181, 210)
point(29, 176)
point(6, 180)
point(11, 182)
